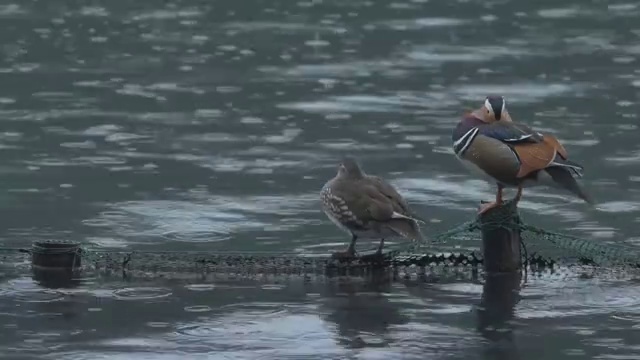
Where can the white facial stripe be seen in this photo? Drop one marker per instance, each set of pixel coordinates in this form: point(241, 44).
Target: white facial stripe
point(487, 104)
point(504, 104)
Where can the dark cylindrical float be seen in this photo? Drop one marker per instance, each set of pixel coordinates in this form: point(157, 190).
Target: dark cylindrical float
point(56, 255)
point(501, 230)
point(55, 264)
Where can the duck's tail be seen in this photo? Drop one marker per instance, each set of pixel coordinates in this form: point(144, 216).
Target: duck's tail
point(407, 228)
point(574, 167)
point(563, 178)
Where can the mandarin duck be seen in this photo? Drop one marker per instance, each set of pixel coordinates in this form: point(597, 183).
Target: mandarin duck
point(366, 206)
point(489, 143)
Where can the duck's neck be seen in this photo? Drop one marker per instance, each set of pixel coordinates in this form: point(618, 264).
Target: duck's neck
point(468, 122)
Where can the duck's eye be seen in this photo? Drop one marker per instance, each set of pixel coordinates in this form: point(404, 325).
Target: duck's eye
point(488, 111)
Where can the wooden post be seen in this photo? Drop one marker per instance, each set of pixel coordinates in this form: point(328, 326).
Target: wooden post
point(500, 228)
point(501, 244)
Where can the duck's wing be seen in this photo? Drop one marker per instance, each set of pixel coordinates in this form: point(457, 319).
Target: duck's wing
point(535, 151)
point(345, 205)
point(393, 197)
point(389, 209)
point(511, 132)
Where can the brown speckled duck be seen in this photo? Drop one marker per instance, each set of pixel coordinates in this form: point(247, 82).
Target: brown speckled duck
point(488, 142)
point(366, 206)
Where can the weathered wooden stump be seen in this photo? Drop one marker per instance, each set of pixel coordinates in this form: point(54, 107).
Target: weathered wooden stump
point(501, 233)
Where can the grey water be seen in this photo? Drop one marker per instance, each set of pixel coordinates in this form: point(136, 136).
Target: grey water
point(212, 125)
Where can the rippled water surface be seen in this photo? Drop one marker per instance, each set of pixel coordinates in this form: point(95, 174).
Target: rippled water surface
point(192, 125)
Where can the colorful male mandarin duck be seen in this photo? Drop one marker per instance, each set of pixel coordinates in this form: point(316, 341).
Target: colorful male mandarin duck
point(366, 206)
point(488, 142)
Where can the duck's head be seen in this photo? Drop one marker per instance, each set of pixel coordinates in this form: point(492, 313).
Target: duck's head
point(494, 109)
point(349, 168)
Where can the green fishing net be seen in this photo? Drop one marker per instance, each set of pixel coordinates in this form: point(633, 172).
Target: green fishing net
point(459, 247)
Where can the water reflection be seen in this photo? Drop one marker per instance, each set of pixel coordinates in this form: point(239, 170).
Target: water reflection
point(374, 316)
point(56, 278)
point(500, 295)
point(362, 310)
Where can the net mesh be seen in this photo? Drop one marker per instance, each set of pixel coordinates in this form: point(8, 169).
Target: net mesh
point(458, 247)
point(539, 245)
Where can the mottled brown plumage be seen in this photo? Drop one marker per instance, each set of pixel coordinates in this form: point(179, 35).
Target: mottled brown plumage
point(367, 206)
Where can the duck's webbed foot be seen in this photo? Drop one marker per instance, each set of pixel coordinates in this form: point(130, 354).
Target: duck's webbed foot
point(349, 252)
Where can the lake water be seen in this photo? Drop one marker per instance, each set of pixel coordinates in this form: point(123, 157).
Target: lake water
point(212, 125)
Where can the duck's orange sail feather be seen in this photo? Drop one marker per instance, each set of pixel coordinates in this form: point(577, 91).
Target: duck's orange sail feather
point(537, 156)
point(553, 141)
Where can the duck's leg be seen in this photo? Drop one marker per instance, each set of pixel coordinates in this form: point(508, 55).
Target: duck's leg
point(350, 252)
point(380, 246)
point(518, 196)
point(488, 206)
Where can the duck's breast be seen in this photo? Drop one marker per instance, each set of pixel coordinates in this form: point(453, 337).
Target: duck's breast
point(493, 159)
